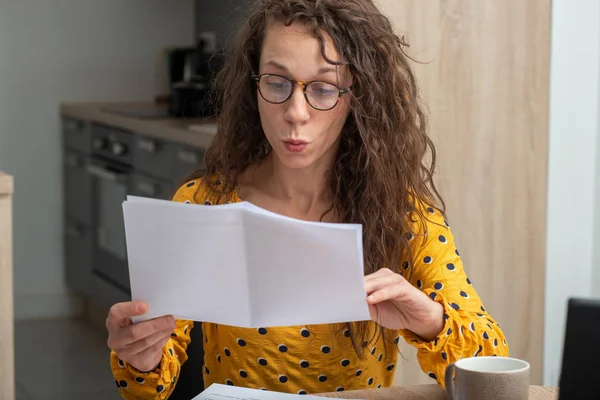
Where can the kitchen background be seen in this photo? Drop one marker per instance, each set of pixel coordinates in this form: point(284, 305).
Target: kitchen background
point(58, 55)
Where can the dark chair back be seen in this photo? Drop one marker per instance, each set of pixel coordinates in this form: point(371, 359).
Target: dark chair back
point(190, 382)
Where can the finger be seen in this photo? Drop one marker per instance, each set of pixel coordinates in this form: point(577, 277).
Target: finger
point(381, 282)
point(141, 345)
point(126, 336)
point(146, 328)
point(379, 273)
point(147, 356)
point(386, 293)
point(121, 313)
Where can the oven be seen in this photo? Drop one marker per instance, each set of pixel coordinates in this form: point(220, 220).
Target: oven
point(110, 175)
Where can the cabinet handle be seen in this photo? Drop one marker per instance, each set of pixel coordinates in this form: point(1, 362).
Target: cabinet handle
point(146, 188)
point(102, 173)
point(74, 231)
point(147, 145)
point(189, 157)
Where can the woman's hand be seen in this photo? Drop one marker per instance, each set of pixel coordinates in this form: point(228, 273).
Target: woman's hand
point(396, 304)
point(140, 344)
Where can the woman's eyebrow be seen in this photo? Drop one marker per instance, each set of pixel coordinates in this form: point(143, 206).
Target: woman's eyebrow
point(322, 70)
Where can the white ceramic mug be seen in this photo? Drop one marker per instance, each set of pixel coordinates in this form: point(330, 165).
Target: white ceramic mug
point(488, 378)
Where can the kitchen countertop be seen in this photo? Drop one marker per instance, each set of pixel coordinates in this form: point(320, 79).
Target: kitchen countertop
point(191, 131)
point(6, 183)
point(426, 392)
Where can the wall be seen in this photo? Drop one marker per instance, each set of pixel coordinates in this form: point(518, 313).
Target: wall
point(54, 51)
point(573, 134)
point(484, 74)
point(218, 17)
point(596, 242)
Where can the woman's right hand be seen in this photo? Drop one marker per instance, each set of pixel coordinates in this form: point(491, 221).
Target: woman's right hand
point(139, 344)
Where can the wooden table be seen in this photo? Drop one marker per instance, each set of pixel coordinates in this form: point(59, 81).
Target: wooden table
point(7, 377)
point(426, 392)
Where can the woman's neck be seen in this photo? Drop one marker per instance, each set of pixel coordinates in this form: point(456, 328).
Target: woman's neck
point(303, 189)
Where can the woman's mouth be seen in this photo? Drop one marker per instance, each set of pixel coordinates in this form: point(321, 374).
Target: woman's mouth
point(295, 146)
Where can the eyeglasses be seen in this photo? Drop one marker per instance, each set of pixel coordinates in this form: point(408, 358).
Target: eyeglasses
point(276, 89)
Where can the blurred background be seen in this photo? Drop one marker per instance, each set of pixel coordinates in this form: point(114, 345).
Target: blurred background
point(103, 99)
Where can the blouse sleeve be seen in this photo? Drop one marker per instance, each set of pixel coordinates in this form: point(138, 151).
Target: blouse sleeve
point(469, 330)
point(159, 383)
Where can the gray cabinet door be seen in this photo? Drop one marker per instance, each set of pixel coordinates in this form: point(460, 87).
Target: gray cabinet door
point(105, 293)
point(78, 256)
point(186, 160)
point(153, 156)
point(76, 135)
point(77, 188)
point(145, 186)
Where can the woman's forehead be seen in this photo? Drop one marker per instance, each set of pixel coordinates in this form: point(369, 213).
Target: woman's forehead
point(295, 49)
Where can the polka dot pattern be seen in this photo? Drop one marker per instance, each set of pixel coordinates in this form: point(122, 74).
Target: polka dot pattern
point(309, 359)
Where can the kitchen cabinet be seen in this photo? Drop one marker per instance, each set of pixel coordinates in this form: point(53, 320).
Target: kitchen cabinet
point(107, 157)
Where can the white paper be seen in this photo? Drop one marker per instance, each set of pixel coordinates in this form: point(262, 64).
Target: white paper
point(240, 265)
point(221, 392)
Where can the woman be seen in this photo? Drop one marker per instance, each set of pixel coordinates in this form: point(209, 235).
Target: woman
point(320, 121)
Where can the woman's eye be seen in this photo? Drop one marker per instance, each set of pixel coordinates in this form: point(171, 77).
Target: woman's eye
point(277, 86)
point(323, 90)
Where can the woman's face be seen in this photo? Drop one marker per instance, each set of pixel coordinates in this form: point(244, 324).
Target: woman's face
point(300, 135)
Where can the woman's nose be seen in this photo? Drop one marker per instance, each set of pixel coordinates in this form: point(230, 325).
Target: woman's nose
point(297, 107)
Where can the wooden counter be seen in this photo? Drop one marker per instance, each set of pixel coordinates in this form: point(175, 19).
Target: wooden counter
point(426, 392)
point(7, 374)
point(192, 131)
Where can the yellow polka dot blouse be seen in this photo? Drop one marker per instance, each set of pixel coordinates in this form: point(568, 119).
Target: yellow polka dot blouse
point(312, 359)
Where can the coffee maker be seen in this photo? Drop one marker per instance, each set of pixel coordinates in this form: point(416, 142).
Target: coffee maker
point(192, 73)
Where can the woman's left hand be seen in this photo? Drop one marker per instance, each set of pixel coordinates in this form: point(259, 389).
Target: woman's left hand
point(396, 304)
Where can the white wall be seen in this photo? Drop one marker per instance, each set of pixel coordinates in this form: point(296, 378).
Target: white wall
point(596, 243)
point(67, 50)
point(574, 105)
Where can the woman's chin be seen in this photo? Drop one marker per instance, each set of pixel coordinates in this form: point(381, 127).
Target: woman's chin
point(294, 160)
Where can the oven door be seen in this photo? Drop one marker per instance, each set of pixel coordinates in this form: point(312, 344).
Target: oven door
point(110, 186)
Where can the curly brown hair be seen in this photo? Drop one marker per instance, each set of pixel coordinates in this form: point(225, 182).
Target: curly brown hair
point(381, 178)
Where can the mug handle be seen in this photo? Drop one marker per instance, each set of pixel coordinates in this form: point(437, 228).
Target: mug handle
point(449, 381)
